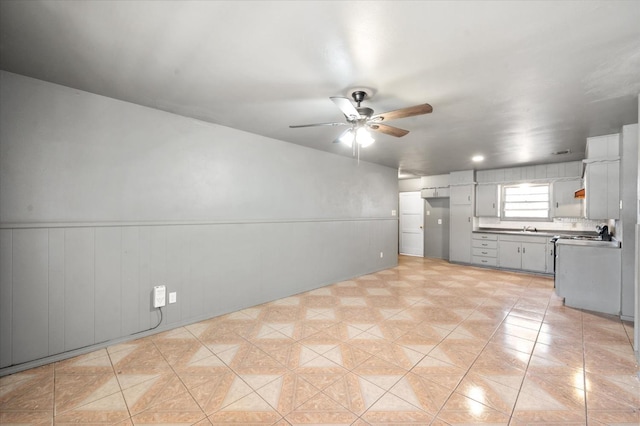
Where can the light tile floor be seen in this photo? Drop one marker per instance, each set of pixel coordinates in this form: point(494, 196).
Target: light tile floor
point(426, 342)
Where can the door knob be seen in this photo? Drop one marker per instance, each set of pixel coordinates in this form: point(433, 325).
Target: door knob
point(420, 226)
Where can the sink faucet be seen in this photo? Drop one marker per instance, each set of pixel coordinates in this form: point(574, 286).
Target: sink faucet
point(528, 227)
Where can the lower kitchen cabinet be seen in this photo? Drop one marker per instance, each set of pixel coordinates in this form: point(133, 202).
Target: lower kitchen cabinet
point(551, 260)
point(510, 255)
point(484, 249)
point(534, 257)
point(525, 253)
point(589, 277)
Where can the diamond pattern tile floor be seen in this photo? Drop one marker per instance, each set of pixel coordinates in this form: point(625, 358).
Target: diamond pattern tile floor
point(426, 342)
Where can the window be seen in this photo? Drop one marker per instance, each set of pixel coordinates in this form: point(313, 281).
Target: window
point(526, 201)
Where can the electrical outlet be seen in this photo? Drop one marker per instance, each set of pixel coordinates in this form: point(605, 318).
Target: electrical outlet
point(172, 297)
point(159, 296)
point(381, 255)
point(393, 212)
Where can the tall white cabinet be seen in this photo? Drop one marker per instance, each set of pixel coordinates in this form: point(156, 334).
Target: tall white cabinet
point(461, 215)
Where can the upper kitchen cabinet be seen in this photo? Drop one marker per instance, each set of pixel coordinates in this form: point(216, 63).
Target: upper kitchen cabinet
point(461, 178)
point(604, 147)
point(435, 192)
point(435, 186)
point(602, 177)
point(565, 204)
point(487, 200)
point(461, 194)
point(602, 190)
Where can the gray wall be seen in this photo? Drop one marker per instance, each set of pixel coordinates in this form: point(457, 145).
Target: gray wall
point(436, 235)
point(100, 200)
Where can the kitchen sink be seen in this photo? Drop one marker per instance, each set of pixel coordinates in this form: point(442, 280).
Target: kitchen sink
point(587, 237)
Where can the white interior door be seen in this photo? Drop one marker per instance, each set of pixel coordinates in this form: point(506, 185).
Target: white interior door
point(411, 224)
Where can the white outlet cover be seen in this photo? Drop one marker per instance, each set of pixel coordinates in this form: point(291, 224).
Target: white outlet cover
point(159, 296)
point(172, 297)
point(439, 221)
point(393, 212)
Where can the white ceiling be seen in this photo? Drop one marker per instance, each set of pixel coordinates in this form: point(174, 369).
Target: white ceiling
point(514, 81)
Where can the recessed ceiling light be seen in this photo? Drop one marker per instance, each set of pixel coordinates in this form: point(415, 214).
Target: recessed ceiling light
point(477, 158)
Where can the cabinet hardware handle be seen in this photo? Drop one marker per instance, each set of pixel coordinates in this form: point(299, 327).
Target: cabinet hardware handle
point(518, 249)
point(522, 249)
point(484, 252)
point(556, 205)
point(468, 219)
point(484, 245)
point(484, 261)
point(494, 205)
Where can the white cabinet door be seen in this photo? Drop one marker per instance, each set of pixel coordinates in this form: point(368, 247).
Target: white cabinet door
point(565, 204)
point(442, 192)
point(411, 206)
point(487, 200)
point(550, 258)
point(602, 190)
point(460, 229)
point(509, 254)
point(534, 257)
point(461, 194)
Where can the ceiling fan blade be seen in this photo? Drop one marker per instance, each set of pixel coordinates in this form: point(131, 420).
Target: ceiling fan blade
point(317, 125)
point(388, 130)
point(337, 140)
point(346, 107)
point(404, 112)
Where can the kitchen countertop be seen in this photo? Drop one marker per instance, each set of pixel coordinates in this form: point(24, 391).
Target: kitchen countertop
point(543, 233)
point(590, 243)
point(568, 234)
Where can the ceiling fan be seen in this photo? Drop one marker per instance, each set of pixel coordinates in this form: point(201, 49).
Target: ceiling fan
point(361, 119)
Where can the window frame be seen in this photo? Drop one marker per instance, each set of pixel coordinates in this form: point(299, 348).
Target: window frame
point(503, 202)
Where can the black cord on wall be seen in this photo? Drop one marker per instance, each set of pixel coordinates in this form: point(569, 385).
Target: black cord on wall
point(152, 328)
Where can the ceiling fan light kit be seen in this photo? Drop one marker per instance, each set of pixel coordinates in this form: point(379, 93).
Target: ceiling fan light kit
point(362, 120)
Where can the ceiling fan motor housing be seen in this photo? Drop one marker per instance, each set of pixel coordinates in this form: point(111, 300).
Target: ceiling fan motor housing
point(365, 112)
point(359, 96)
